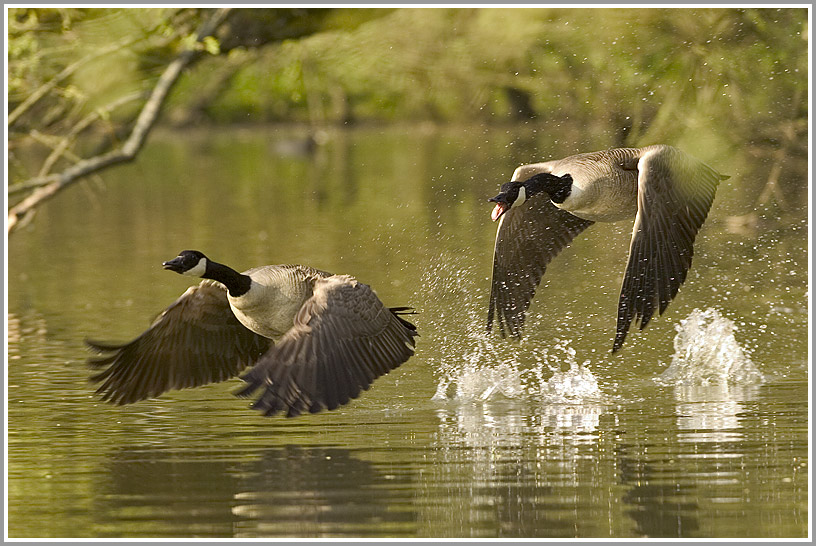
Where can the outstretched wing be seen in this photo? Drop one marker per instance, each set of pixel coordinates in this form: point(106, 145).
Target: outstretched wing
point(675, 192)
point(195, 341)
point(528, 238)
point(342, 340)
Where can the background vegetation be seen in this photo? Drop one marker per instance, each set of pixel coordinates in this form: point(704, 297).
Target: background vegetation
point(697, 78)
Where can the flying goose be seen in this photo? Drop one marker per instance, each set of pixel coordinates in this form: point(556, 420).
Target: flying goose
point(546, 205)
point(314, 339)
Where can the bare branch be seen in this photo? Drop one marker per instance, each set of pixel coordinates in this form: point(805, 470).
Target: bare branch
point(52, 184)
point(32, 184)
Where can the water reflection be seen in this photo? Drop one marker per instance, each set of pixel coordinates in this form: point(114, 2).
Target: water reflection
point(286, 491)
point(658, 507)
point(710, 413)
point(513, 423)
point(520, 466)
point(319, 491)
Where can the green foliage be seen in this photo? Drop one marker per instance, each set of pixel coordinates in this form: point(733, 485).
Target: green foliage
point(33, 54)
point(647, 74)
point(695, 77)
point(86, 58)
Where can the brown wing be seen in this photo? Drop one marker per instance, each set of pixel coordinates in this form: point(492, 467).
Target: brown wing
point(528, 238)
point(675, 193)
point(342, 340)
point(195, 341)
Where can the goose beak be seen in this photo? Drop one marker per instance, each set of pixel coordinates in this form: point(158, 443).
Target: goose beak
point(173, 265)
point(500, 208)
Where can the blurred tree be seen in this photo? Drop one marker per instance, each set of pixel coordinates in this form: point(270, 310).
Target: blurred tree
point(91, 82)
point(705, 79)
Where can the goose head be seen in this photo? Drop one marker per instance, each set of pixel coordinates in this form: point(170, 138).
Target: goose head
point(516, 192)
point(513, 194)
point(188, 262)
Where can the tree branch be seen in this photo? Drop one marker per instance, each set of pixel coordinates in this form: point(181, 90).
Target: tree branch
point(52, 184)
point(60, 150)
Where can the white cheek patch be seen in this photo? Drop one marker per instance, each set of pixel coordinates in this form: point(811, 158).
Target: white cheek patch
point(198, 270)
point(522, 197)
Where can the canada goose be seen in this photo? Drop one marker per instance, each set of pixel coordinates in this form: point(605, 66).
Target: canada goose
point(546, 205)
point(332, 338)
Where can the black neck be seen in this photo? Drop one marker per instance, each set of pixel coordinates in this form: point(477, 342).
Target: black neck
point(557, 187)
point(236, 283)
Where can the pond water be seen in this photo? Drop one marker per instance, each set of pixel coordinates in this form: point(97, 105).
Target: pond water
point(697, 428)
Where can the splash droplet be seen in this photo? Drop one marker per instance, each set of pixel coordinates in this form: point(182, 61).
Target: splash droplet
point(706, 351)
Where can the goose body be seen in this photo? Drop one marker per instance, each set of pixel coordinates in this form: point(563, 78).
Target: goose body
point(276, 294)
point(314, 340)
point(546, 205)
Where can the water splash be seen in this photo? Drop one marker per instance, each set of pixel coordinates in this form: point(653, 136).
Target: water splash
point(473, 365)
point(706, 352)
point(554, 376)
point(576, 383)
point(511, 395)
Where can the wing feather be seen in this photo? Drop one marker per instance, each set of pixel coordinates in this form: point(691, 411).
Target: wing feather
point(195, 341)
point(527, 239)
point(675, 193)
point(342, 340)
